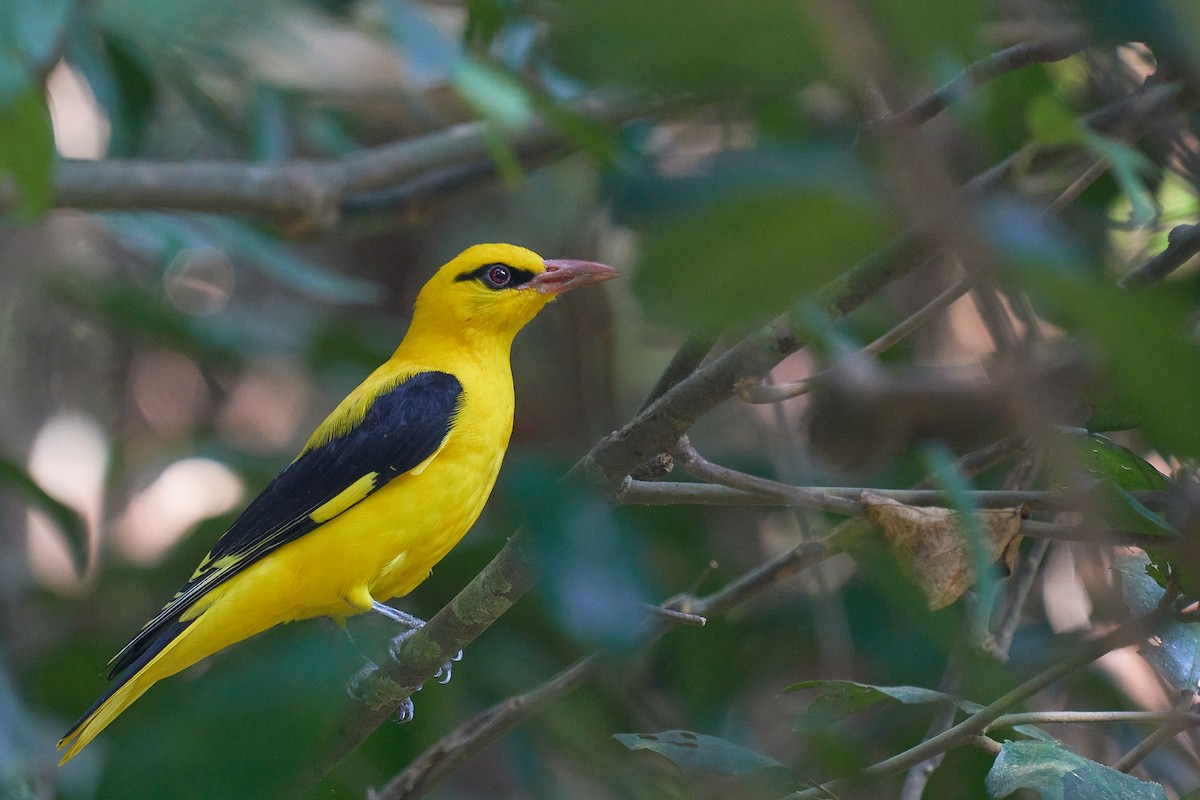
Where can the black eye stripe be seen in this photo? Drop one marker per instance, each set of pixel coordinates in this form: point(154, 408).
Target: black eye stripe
point(518, 277)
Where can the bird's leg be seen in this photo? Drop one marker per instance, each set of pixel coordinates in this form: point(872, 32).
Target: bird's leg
point(396, 615)
point(413, 624)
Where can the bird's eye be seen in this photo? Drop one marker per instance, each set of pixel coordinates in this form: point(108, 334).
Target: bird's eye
point(498, 276)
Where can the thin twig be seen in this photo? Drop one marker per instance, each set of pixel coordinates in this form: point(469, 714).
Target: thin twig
point(1183, 242)
point(454, 749)
point(1022, 584)
point(977, 723)
point(766, 393)
point(1038, 51)
point(458, 746)
point(1090, 717)
point(1170, 727)
point(738, 488)
point(704, 469)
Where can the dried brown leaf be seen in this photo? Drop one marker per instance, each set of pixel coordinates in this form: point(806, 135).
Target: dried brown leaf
point(930, 543)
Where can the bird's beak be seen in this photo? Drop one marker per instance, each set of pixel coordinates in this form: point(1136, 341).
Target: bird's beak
point(564, 274)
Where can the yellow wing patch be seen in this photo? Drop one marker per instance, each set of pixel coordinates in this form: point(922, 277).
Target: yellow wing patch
point(345, 498)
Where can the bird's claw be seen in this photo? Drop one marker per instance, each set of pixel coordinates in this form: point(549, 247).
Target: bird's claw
point(444, 672)
point(447, 668)
point(357, 680)
point(405, 713)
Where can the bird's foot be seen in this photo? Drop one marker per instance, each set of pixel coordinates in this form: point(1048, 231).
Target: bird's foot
point(444, 672)
point(405, 713)
point(354, 687)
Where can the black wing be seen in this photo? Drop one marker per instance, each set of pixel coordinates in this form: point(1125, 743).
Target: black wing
point(402, 428)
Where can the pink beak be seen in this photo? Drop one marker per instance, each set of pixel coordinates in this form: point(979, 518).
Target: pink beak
point(563, 275)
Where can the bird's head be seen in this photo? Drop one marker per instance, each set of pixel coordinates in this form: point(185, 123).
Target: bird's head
point(496, 289)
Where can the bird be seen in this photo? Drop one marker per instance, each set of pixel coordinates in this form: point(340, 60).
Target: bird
point(383, 489)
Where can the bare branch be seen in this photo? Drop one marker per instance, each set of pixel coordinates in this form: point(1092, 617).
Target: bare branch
point(456, 748)
point(1183, 242)
point(302, 192)
point(1173, 724)
point(1039, 51)
point(754, 491)
point(765, 393)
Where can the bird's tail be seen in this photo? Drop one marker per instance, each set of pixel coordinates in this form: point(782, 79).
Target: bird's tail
point(132, 683)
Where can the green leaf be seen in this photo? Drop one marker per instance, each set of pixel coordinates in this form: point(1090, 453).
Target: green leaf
point(589, 554)
point(485, 18)
point(1057, 773)
point(30, 32)
point(493, 93)
point(906, 25)
point(1175, 654)
point(280, 263)
point(27, 150)
point(696, 754)
point(74, 530)
point(1130, 169)
point(754, 252)
point(1117, 470)
point(839, 699)
point(1104, 459)
point(1051, 123)
point(687, 45)
point(1152, 362)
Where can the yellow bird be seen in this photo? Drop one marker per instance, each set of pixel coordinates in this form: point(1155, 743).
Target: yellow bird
point(386, 485)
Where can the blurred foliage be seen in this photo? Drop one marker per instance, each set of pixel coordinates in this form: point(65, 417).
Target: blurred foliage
point(768, 165)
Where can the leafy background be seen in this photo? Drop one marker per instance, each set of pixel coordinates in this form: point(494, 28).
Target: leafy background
point(209, 236)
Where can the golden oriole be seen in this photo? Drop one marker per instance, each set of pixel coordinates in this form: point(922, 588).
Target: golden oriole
point(386, 485)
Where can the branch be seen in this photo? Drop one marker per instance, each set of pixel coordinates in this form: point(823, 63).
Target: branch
point(1183, 242)
point(1039, 51)
point(979, 722)
point(766, 393)
point(300, 192)
point(657, 428)
point(456, 748)
point(493, 591)
point(754, 491)
point(1173, 724)
point(1088, 717)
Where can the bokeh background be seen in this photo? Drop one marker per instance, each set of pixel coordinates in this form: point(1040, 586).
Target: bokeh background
point(169, 340)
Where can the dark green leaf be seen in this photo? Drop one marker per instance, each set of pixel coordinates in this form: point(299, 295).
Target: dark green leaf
point(838, 699)
point(1057, 773)
point(30, 34)
point(27, 149)
point(277, 261)
point(1051, 123)
point(740, 254)
point(695, 753)
point(15, 479)
point(1175, 653)
point(485, 18)
point(1117, 471)
point(121, 79)
point(496, 95)
point(1131, 170)
point(588, 554)
point(906, 25)
point(1151, 359)
point(687, 45)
